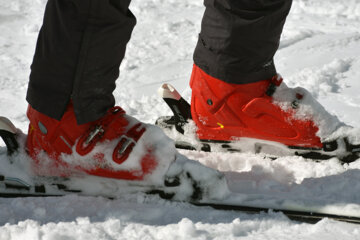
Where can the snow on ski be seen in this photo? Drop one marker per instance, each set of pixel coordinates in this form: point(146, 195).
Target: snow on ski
point(21, 189)
point(14, 188)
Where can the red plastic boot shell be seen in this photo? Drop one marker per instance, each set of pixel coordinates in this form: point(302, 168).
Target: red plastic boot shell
point(55, 138)
point(227, 112)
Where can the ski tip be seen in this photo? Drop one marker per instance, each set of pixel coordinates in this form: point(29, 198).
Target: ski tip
point(7, 125)
point(168, 91)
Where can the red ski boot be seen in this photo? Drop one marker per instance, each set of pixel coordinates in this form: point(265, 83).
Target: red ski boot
point(89, 147)
point(226, 112)
point(117, 147)
point(264, 116)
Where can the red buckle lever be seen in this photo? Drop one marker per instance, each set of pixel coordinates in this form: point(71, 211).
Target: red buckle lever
point(127, 143)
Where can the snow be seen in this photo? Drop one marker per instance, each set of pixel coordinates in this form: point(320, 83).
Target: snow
point(319, 51)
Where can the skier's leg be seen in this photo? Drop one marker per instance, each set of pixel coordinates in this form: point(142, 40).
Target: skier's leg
point(80, 47)
point(79, 50)
point(239, 38)
point(76, 63)
point(234, 79)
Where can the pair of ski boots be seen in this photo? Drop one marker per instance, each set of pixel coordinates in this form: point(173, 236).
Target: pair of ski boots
point(265, 116)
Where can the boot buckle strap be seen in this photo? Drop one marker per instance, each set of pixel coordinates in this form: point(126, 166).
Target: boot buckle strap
point(274, 83)
point(127, 143)
point(98, 130)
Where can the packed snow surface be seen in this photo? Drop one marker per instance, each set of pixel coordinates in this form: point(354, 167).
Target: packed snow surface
point(319, 51)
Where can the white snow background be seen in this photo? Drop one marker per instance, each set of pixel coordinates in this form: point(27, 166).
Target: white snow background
point(320, 51)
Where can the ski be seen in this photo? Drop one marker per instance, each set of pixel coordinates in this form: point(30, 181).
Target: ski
point(13, 187)
point(340, 148)
point(16, 188)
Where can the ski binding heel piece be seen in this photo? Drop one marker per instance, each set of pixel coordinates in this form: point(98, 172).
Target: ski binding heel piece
point(179, 106)
point(8, 134)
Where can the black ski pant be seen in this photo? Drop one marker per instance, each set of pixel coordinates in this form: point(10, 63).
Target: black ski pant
point(82, 43)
